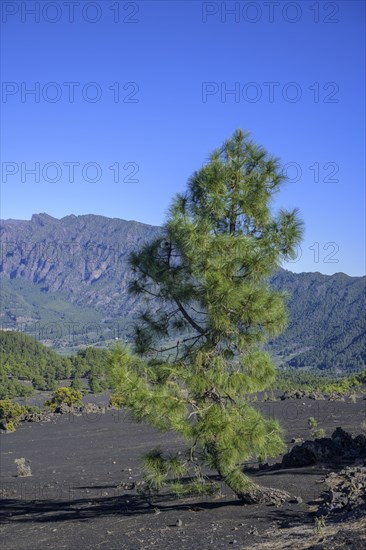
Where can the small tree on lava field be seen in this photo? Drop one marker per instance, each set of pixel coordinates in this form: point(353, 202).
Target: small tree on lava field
point(209, 310)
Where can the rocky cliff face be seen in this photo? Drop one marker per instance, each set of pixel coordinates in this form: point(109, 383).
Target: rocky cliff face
point(84, 257)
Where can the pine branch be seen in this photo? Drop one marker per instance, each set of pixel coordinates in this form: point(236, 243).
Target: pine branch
point(188, 317)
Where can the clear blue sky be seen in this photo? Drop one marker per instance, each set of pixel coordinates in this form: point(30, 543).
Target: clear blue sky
point(173, 62)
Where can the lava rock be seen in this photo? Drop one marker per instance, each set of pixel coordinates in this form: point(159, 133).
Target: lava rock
point(346, 491)
point(340, 445)
point(37, 417)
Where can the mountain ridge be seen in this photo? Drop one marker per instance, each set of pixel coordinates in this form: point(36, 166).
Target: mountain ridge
point(77, 266)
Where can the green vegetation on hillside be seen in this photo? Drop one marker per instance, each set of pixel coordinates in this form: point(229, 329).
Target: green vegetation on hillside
point(25, 359)
point(30, 304)
point(327, 325)
point(292, 379)
point(26, 364)
point(91, 363)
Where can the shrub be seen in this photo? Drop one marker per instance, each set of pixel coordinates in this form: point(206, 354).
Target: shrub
point(10, 388)
point(312, 423)
point(10, 414)
point(319, 525)
point(23, 469)
point(94, 385)
point(76, 384)
point(38, 382)
point(117, 401)
point(69, 396)
point(319, 433)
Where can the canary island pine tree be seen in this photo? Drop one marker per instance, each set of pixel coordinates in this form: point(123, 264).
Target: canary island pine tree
point(209, 309)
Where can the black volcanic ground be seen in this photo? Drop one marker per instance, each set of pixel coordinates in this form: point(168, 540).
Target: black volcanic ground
point(75, 499)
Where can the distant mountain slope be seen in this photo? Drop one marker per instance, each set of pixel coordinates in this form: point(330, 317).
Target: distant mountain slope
point(24, 302)
point(84, 257)
point(327, 320)
point(76, 269)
